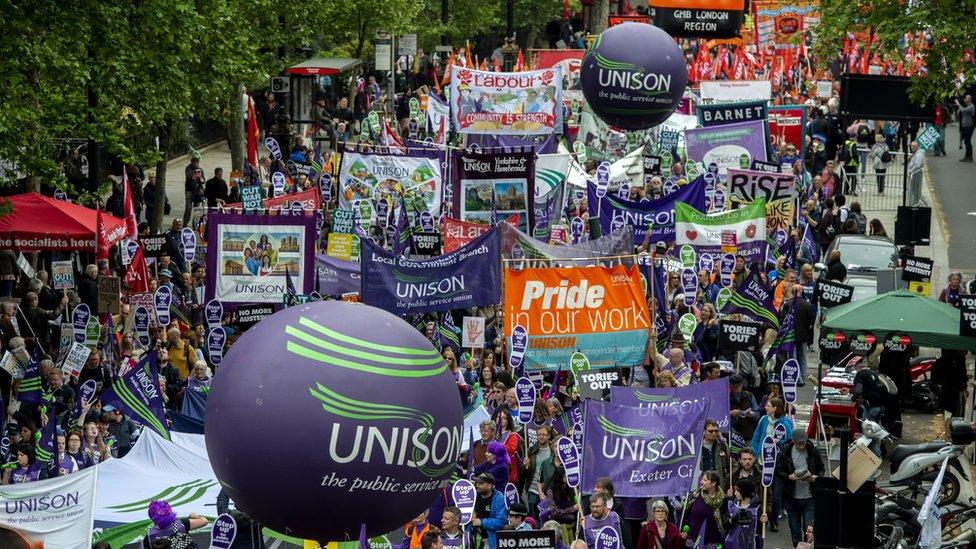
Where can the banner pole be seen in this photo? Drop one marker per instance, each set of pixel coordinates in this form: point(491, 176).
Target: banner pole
point(737, 368)
point(765, 491)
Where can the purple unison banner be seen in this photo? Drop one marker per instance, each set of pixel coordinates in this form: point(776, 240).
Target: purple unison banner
point(337, 276)
point(483, 182)
point(713, 395)
point(248, 256)
point(727, 146)
point(616, 213)
point(467, 277)
point(645, 452)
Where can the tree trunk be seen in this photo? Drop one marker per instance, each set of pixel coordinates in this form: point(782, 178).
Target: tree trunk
point(33, 129)
point(235, 130)
point(598, 16)
point(159, 193)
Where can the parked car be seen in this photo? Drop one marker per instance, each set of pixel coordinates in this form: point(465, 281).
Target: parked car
point(863, 256)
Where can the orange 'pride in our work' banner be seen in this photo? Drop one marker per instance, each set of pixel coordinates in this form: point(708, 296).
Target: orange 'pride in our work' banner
point(599, 311)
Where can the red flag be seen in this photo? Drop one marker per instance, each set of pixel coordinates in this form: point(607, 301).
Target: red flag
point(101, 239)
point(495, 65)
point(519, 61)
point(253, 134)
point(135, 274)
point(864, 60)
point(131, 225)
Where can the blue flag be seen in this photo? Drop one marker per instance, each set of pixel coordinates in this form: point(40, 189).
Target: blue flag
point(45, 446)
point(403, 231)
point(138, 396)
point(448, 333)
point(788, 252)
point(810, 245)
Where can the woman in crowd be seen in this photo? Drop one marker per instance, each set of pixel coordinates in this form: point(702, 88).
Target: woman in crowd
point(166, 525)
point(508, 436)
point(659, 532)
point(92, 445)
point(743, 514)
point(26, 469)
point(706, 332)
point(703, 513)
point(497, 463)
point(75, 452)
point(775, 415)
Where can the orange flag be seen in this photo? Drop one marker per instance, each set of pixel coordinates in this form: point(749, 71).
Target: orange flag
point(447, 70)
point(467, 54)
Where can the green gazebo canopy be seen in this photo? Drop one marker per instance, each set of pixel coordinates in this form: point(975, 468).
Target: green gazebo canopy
point(928, 322)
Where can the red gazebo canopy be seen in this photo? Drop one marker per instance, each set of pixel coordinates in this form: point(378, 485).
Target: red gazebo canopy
point(40, 223)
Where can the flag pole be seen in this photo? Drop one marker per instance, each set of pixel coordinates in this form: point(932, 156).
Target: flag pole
point(765, 490)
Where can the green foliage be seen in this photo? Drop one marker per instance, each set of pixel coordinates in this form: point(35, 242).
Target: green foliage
point(948, 21)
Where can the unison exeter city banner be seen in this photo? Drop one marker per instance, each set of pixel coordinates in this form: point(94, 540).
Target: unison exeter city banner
point(248, 256)
point(466, 277)
point(646, 452)
point(598, 311)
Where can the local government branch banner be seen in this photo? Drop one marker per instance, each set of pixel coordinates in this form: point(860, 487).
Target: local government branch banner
point(506, 103)
point(56, 513)
point(249, 255)
point(646, 452)
point(599, 311)
point(466, 277)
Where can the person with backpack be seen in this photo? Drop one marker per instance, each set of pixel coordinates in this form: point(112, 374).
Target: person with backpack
point(865, 139)
point(859, 219)
point(848, 157)
point(829, 225)
point(880, 158)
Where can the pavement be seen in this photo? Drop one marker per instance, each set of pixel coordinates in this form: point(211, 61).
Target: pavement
point(953, 186)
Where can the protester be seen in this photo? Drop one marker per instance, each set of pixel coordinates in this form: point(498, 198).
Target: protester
point(798, 465)
point(702, 513)
point(490, 513)
point(600, 516)
point(166, 525)
point(659, 533)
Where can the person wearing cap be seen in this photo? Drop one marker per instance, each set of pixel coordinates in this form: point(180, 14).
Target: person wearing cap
point(121, 428)
point(798, 465)
point(743, 410)
point(516, 517)
point(490, 514)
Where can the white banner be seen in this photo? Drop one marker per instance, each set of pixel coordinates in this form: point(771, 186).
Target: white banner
point(375, 176)
point(506, 103)
point(252, 260)
point(722, 91)
point(55, 513)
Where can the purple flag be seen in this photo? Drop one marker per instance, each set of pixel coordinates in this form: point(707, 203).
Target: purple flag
point(137, 394)
point(753, 299)
point(639, 215)
point(645, 452)
point(810, 244)
point(786, 335)
point(712, 394)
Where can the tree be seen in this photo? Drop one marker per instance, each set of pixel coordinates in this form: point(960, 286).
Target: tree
point(947, 57)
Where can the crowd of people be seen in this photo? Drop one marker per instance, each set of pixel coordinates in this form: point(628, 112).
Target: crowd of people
point(728, 506)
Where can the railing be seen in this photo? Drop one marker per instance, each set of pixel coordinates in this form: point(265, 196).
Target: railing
point(867, 185)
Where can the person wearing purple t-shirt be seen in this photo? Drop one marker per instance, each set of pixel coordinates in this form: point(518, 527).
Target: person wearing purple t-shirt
point(27, 468)
point(452, 535)
point(600, 516)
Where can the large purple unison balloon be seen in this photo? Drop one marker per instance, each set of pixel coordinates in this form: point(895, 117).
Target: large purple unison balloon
point(633, 76)
point(330, 415)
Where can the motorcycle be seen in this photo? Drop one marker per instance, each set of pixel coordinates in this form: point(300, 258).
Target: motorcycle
point(913, 467)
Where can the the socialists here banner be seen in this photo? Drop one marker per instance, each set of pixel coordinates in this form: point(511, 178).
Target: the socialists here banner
point(512, 103)
point(54, 514)
point(250, 255)
point(646, 452)
point(599, 311)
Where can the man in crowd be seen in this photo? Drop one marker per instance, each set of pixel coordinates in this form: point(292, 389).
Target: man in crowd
point(490, 514)
point(452, 535)
point(216, 189)
point(714, 453)
point(798, 465)
point(600, 516)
